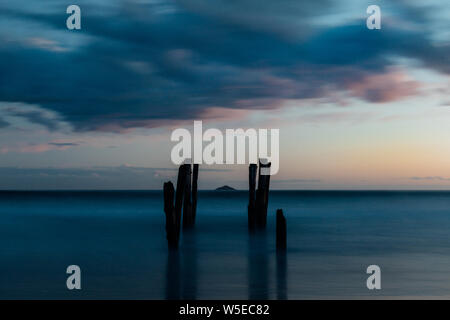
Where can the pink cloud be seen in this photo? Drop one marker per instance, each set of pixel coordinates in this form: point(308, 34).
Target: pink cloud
point(386, 87)
point(218, 113)
point(39, 148)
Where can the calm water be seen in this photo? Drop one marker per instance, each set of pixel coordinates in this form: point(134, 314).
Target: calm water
point(118, 240)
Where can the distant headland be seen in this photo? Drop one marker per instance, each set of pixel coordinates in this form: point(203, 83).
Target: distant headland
point(225, 188)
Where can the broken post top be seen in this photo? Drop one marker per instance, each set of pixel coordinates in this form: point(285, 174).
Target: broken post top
point(264, 167)
point(264, 163)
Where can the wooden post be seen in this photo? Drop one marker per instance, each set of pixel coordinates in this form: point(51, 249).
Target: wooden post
point(262, 196)
point(266, 194)
point(194, 192)
point(281, 233)
point(183, 203)
point(181, 182)
point(251, 196)
point(187, 206)
point(171, 224)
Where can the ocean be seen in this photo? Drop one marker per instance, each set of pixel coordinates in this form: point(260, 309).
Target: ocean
point(118, 240)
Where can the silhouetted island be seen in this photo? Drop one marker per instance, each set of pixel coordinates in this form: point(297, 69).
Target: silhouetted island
point(225, 188)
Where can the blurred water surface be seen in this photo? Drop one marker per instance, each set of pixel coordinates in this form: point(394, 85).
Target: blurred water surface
point(118, 240)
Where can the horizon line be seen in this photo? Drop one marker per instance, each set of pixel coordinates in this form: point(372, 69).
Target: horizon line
point(238, 190)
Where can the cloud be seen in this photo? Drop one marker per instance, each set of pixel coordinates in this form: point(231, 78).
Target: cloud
point(37, 117)
point(45, 44)
point(38, 147)
point(335, 117)
point(386, 87)
point(33, 114)
point(33, 148)
point(3, 123)
point(152, 63)
point(63, 144)
point(296, 181)
point(439, 178)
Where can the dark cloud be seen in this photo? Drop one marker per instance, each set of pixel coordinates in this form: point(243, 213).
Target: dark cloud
point(64, 144)
point(39, 118)
point(32, 114)
point(3, 123)
point(147, 63)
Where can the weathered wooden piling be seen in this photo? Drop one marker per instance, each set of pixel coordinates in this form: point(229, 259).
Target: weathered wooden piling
point(169, 210)
point(179, 194)
point(187, 206)
point(185, 202)
point(190, 197)
point(194, 192)
point(251, 196)
point(258, 201)
point(281, 232)
point(262, 196)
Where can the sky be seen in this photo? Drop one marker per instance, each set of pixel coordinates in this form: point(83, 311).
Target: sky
point(94, 108)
